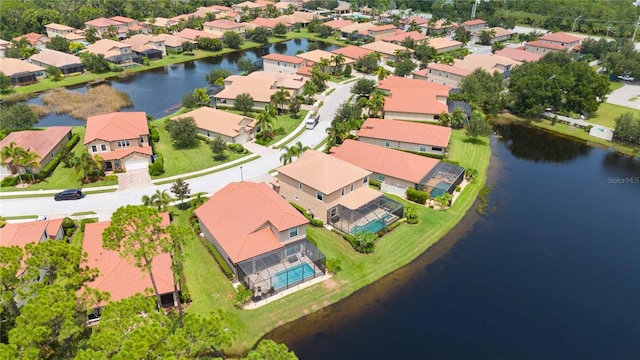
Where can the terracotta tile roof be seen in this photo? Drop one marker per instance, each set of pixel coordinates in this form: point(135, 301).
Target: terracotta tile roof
point(474, 22)
point(224, 24)
point(338, 23)
point(488, 63)
point(184, 17)
point(382, 28)
point(21, 234)
point(101, 22)
point(117, 275)
point(59, 27)
point(116, 126)
point(107, 47)
point(260, 85)
point(559, 37)
point(501, 31)
point(288, 81)
point(122, 19)
point(142, 42)
point(249, 4)
point(306, 71)
point(120, 154)
point(413, 96)
point(316, 55)
point(357, 27)
point(42, 142)
point(377, 159)
point(33, 38)
point(191, 34)
point(361, 196)
point(443, 43)
point(283, 5)
point(518, 54)
point(219, 121)
point(418, 20)
point(406, 132)
point(171, 40)
point(220, 7)
point(440, 24)
point(448, 68)
point(239, 217)
point(414, 35)
point(284, 58)
point(392, 83)
point(12, 66)
point(267, 23)
point(323, 172)
point(384, 47)
point(546, 45)
point(163, 22)
point(352, 52)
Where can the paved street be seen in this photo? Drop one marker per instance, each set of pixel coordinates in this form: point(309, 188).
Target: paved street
point(624, 95)
point(106, 203)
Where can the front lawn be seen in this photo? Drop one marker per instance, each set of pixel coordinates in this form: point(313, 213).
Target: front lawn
point(607, 114)
point(285, 122)
point(210, 289)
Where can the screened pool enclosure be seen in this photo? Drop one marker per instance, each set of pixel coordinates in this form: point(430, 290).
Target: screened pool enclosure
point(443, 178)
point(373, 217)
point(282, 269)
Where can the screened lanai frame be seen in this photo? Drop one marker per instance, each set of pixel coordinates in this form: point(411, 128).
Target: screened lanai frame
point(282, 269)
point(444, 177)
point(374, 216)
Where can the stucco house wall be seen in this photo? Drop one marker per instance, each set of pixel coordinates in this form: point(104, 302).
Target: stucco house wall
point(404, 145)
point(395, 115)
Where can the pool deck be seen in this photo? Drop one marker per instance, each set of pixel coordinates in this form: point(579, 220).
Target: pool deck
point(275, 297)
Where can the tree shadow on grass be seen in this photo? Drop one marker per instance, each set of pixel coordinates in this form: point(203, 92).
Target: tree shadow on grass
point(474, 141)
point(192, 145)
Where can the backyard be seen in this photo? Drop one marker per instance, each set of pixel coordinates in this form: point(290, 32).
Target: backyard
point(210, 289)
point(607, 114)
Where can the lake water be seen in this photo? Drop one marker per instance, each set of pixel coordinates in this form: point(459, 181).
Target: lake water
point(159, 91)
point(552, 272)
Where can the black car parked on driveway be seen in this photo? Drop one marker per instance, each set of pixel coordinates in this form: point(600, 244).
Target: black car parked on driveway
point(69, 194)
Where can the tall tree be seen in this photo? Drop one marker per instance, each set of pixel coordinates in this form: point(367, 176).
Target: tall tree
point(260, 35)
point(280, 29)
point(244, 102)
point(484, 90)
point(181, 189)
point(218, 146)
point(245, 65)
point(462, 35)
point(84, 163)
point(12, 153)
point(5, 82)
point(160, 199)
point(215, 74)
point(404, 67)
point(138, 236)
point(280, 98)
point(17, 117)
point(232, 39)
point(183, 131)
point(28, 161)
point(269, 349)
point(478, 125)
point(59, 43)
point(201, 95)
point(266, 119)
point(376, 104)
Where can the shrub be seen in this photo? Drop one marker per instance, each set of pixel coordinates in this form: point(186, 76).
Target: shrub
point(347, 70)
point(375, 183)
point(458, 188)
point(73, 141)
point(47, 170)
point(397, 223)
point(242, 296)
point(217, 257)
point(9, 181)
point(334, 265)
point(314, 222)
point(279, 131)
point(68, 223)
point(237, 148)
point(417, 196)
point(84, 222)
point(155, 135)
point(157, 168)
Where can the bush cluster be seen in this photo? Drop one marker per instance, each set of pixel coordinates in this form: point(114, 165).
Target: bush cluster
point(157, 168)
point(84, 222)
point(417, 196)
point(53, 164)
point(313, 221)
point(155, 135)
point(237, 148)
point(375, 183)
point(9, 181)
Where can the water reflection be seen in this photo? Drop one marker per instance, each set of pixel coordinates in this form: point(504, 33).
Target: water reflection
point(537, 145)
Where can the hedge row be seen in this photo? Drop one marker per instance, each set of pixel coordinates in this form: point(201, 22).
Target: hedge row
point(86, 221)
point(216, 255)
point(429, 155)
point(417, 196)
point(9, 181)
point(313, 221)
point(53, 164)
point(157, 168)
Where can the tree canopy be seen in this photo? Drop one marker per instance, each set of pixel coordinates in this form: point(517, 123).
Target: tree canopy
point(484, 90)
point(183, 131)
point(18, 116)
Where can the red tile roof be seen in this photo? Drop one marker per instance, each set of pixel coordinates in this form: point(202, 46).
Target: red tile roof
point(338, 23)
point(519, 54)
point(395, 82)
point(406, 132)
point(284, 58)
point(116, 126)
point(352, 52)
point(267, 23)
point(417, 19)
point(33, 38)
point(117, 275)
point(223, 24)
point(414, 35)
point(448, 68)
point(191, 34)
point(124, 152)
point(474, 22)
point(240, 217)
point(42, 142)
point(21, 234)
point(101, 22)
point(546, 45)
point(382, 28)
point(122, 19)
point(394, 163)
point(413, 96)
point(559, 37)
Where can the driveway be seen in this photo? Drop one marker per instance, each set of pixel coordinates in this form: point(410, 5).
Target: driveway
point(624, 95)
point(134, 179)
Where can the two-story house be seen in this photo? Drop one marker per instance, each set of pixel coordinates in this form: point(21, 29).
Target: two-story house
point(64, 31)
point(442, 74)
point(261, 237)
point(146, 45)
point(474, 26)
point(336, 192)
point(131, 24)
point(260, 85)
point(113, 51)
point(380, 31)
point(283, 63)
point(102, 25)
point(35, 40)
point(562, 39)
point(221, 26)
point(121, 139)
point(406, 135)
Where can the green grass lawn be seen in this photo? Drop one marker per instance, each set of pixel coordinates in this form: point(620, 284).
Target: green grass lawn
point(615, 85)
point(210, 289)
point(287, 122)
point(607, 114)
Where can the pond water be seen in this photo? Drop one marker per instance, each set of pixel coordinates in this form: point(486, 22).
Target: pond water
point(159, 91)
point(551, 272)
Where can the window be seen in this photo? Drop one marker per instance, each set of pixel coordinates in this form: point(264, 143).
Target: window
point(429, 71)
point(53, 154)
point(380, 177)
point(439, 73)
point(294, 248)
point(422, 148)
point(278, 63)
point(142, 139)
point(295, 66)
point(103, 147)
point(295, 197)
point(342, 192)
point(293, 232)
point(446, 75)
point(300, 186)
point(365, 180)
point(123, 143)
point(319, 195)
point(94, 148)
point(351, 187)
point(436, 149)
point(387, 143)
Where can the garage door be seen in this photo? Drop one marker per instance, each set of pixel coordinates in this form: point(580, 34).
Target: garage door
point(135, 164)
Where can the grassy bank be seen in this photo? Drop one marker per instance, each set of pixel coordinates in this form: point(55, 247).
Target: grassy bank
point(209, 288)
point(607, 114)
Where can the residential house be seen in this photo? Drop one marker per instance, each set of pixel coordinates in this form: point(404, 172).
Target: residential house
point(67, 32)
point(440, 27)
point(412, 99)
point(543, 47)
point(395, 170)
point(386, 49)
point(247, 5)
point(121, 139)
point(342, 9)
point(261, 237)
point(160, 22)
point(357, 31)
point(442, 74)
point(35, 40)
point(193, 35)
point(283, 63)
point(130, 24)
point(336, 192)
point(4, 45)
point(518, 54)
point(102, 25)
point(488, 63)
point(147, 45)
point(380, 31)
point(406, 135)
point(501, 34)
point(443, 45)
point(411, 20)
point(299, 17)
point(21, 72)
point(232, 128)
point(260, 85)
point(283, 6)
point(113, 51)
point(316, 56)
point(338, 24)
point(219, 27)
point(418, 37)
point(474, 26)
point(119, 276)
point(352, 52)
point(46, 143)
point(67, 63)
point(21, 234)
point(202, 12)
point(172, 42)
point(564, 40)
point(266, 23)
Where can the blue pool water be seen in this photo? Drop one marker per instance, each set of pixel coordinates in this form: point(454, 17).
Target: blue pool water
point(372, 226)
point(292, 275)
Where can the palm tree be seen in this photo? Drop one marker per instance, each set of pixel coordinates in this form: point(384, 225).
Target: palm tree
point(161, 200)
point(84, 163)
point(299, 148)
point(382, 73)
point(324, 63)
point(146, 200)
point(29, 160)
point(318, 76)
point(287, 156)
point(265, 121)
point(376, 103)
point(338, 60)
point(13, 152)
point(337, 133)
point(280, 98)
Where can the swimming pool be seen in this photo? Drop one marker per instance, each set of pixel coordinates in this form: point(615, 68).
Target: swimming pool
point(372, 226)
point(291, 275)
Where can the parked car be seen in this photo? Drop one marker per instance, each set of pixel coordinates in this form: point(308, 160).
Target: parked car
point(626, 78)
point(69, 194)
point(312, 121)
